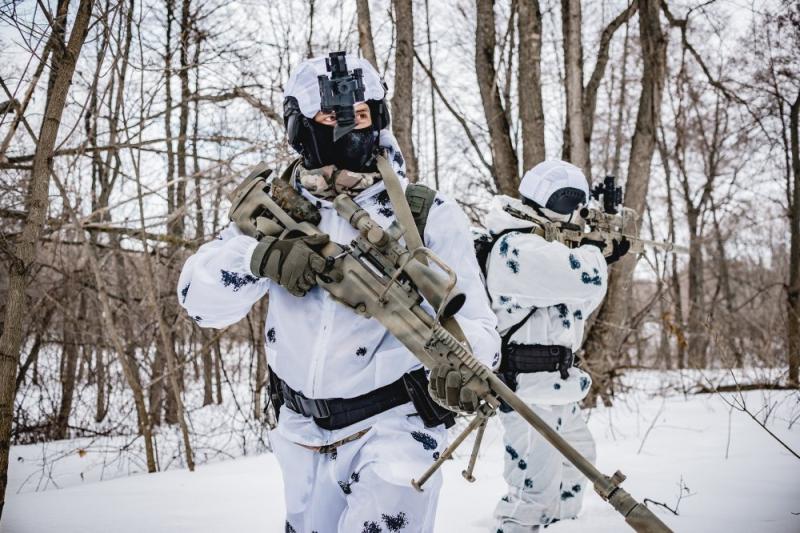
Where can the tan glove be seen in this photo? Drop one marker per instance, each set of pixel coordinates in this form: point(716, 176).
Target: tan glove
point(293, 263)
point(450, 388)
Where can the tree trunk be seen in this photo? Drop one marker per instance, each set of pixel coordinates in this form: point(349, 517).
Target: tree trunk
point(578, 149)
point(676, 324)
point(310, 37)
point(69, 328)
point(605, 339)
point(199, 234)
point(101, 405)
point(127, 351)
point(208, 370)
point(156, 390)
point(62, 69)
point(504, 159)
point(507, 46)
point(793, 289)
point(529, 83)
point(365, 42)
point(171, 224)
point(218, 369)
point(183, 118)
point(170, 403)
point(402, 101)
point(729, 328)
point(698, 329)
point(33, 355)
point(165, 333)
point(623, 84)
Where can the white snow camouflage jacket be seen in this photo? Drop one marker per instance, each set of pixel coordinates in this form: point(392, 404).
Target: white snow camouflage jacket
point(565, 285)
point(318, 346)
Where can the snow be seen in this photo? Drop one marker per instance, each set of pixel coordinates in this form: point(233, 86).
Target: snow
point(728, 472)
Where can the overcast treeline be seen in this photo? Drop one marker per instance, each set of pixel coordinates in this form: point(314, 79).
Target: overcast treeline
point(125, 123)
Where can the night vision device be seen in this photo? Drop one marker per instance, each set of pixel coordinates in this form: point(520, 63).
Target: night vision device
point(339, 93)
point(611, 193)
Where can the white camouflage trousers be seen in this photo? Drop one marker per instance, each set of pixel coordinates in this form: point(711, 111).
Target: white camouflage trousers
point(543, 487)
point(364, 487)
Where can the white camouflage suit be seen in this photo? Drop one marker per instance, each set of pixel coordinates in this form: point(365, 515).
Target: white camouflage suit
point(325, 350)
point(564, 286)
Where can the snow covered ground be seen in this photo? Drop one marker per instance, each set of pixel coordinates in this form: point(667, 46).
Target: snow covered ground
point(720, 469)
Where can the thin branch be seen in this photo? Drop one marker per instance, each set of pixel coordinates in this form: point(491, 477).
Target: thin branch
point(455, 113)
point(590, 93)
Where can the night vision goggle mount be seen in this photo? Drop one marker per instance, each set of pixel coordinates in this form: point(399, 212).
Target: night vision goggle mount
point(340, 92)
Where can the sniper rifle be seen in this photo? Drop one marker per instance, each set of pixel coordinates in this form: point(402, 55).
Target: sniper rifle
point(612, 222)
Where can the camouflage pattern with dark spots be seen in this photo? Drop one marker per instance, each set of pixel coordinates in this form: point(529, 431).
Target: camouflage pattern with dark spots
point(395, 522)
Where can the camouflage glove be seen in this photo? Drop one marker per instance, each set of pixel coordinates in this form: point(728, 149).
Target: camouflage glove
point(618, 249)
point(450, 388)
point(293, 263)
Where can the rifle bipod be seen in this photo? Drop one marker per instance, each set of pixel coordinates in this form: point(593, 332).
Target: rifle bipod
point(479, 422)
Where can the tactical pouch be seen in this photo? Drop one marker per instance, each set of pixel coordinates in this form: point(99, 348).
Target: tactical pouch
point(431, 413)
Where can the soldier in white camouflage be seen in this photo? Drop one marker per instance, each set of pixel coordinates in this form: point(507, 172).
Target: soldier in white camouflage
point(542, 293)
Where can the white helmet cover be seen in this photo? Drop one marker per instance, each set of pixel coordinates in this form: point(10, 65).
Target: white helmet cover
point(541, 183)
point(303, 84)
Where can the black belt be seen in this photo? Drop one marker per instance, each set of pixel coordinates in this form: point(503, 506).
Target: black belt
point(527, 358)
point(336, 413)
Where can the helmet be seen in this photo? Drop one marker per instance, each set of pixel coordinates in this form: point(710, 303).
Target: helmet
point(334, 83)
point(554, 186)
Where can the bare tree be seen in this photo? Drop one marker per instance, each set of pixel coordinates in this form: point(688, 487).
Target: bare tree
point(793, 289)
point(402, 101)
point(582, 102)
point(529, 83)
point(365, 42)
point(62, 67)
point(504, 160)
point(577, 148)
point(605, 338)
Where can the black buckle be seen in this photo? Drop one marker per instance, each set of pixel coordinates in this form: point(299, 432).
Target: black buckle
point(304, 406)
point(313, 408)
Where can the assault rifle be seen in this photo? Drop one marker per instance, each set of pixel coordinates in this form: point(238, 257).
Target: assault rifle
point(613, 222)
point(377, 276)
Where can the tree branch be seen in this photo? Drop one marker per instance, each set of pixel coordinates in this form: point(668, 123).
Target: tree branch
point(459, 118)
point(590, 93)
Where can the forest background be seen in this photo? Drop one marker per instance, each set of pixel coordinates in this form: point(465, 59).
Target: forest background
point(125, 123)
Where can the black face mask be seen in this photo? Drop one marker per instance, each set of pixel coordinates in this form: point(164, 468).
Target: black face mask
point(354, 151)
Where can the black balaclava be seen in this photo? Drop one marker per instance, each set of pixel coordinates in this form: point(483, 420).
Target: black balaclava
point(355, 151)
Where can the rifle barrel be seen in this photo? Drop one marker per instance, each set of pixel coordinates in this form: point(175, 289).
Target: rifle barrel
point(664, 245)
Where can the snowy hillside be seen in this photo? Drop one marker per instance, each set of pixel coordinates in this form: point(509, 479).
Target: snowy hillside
point(720, 469)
